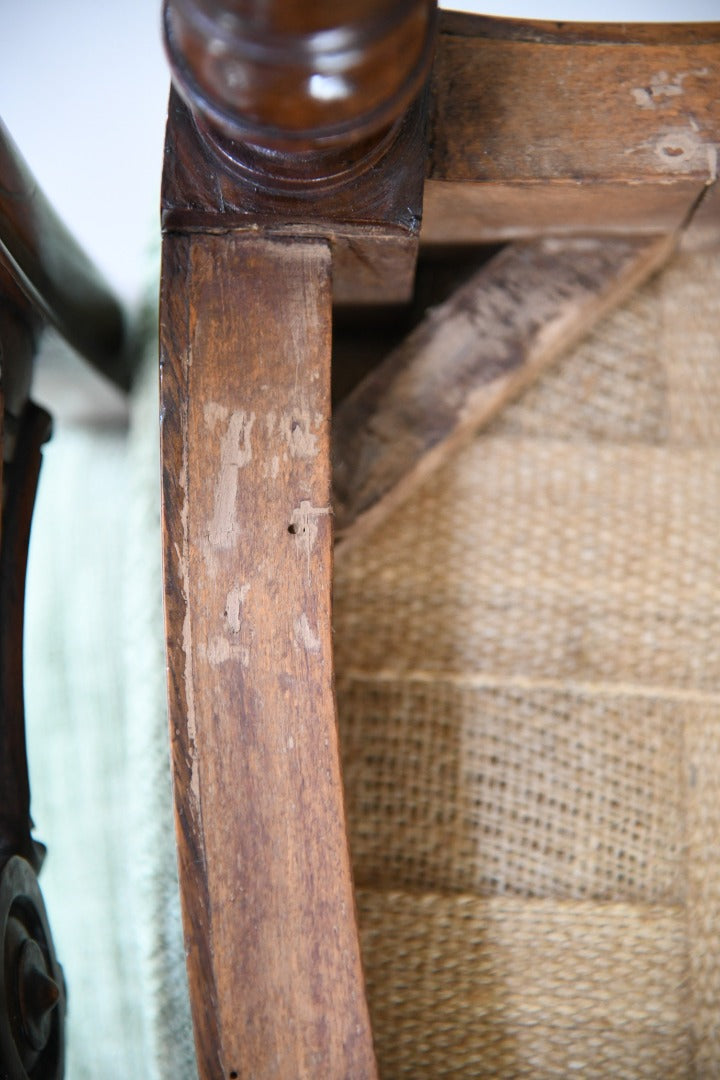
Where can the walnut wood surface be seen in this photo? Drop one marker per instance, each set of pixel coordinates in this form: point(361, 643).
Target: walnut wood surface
point(273, 958)
point(372, 222)
point(555, 127)
point(287, 74)
point(456, 370)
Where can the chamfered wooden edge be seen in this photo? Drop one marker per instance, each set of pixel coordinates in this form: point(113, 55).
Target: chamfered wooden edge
point(174, 345)
point(494, 336)
point(273, 955)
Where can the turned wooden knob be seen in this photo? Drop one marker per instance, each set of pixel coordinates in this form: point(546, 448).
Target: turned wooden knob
point(32, 987)
point(292, 77)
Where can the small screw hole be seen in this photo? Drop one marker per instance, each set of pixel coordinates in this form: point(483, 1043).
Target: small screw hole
point(233, 1075)
point(292, 528)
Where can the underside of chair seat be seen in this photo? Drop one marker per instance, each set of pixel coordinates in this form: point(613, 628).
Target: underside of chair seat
point(529, 701)
point(529, 707)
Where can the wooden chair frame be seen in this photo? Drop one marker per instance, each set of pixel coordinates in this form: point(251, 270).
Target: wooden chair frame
point(536, 132)
point(590, 152)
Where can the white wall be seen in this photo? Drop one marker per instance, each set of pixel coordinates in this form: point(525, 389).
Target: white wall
point(83, 90)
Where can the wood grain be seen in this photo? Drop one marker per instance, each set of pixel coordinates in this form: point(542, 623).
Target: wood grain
point(472, 354)
point(553, 127)
point(273, 958)
point(372, 222)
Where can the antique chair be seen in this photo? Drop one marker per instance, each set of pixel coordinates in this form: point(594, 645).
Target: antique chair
point(525, 668)
point(311, 153)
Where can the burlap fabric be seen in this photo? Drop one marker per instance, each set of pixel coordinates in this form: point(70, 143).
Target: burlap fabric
point(528, 671)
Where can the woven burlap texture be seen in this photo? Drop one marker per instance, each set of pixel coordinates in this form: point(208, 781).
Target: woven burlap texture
point(528, 672)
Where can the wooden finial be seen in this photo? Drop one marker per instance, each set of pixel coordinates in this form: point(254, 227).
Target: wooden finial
point(290, 87)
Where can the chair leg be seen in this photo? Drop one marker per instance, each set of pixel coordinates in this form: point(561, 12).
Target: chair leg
point(32, 987)
point(274, 967)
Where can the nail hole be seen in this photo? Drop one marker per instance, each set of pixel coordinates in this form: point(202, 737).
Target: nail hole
point(292, 528)
point(233, 1075)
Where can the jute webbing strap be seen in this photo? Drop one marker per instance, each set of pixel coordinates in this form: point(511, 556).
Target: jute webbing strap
point(702, 784)
point(498, 987)
point(529, 699)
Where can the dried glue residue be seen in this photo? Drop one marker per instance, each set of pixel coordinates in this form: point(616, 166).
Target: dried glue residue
point(214, 414)
point(662, 87)
point(305, 635)
point(680, 150)
point(304, 527)
point(297, 430)
point(233, 607)
point(235, 454)
point(221, 650)
point(234, 643)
